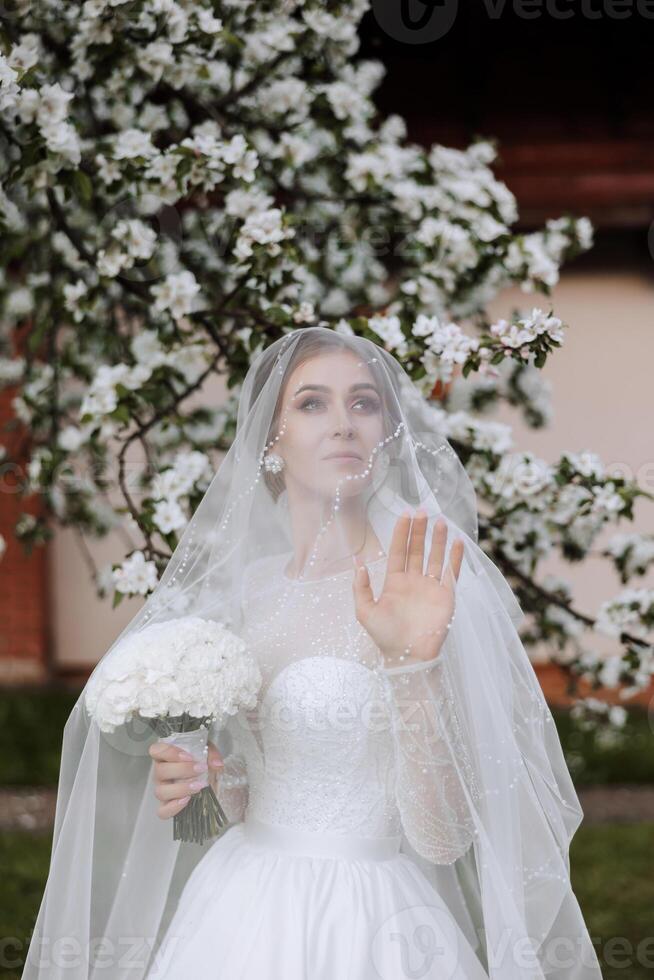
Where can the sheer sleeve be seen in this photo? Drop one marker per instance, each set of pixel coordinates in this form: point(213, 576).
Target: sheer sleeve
point(434, 778)
point(232, 783)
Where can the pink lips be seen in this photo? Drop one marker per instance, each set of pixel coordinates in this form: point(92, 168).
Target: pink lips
point(343, 456)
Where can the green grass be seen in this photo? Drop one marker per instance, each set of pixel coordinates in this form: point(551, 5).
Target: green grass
point(592, 759)
point(610, 874)
point(612, 877)
point(24, 860)
point(31, 728)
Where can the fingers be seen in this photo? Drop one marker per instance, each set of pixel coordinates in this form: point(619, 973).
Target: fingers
point(416, 549)
point(176, 770)
point(437, 550)
point(407, 548)
point(456, 557)
point(167, 810)
point(397, 550)
point(165, 752)
point(171, 762)
point(178, 776)
point(362, 589)
point(177, 789)
point(214, 758)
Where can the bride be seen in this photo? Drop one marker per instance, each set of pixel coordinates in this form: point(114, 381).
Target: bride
point(398, 801)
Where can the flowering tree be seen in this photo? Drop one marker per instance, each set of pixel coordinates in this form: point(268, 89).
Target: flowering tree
point(186, 180)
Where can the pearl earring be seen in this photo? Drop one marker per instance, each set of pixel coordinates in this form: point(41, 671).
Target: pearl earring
point(273, 463)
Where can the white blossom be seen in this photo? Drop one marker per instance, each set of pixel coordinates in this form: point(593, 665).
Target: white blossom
point(62, 138)
point(132, 143)
point(111, 260)
point(627, 612)
point(176, 294)
point(634, 550)
point(155, 57)
point(169, 516)
point(607, 500)
point(135, 576)
point(521, 477)
point(146, 348)
point(481, 434)
point(73, 292)
point(26, 53)
point(447, 345)
point(102, 397)
point(527, 329)
point(9, 89)
point(71, 438)
point(19, 303)
point(262, 228)
point(389, 329)
point(189, 468)
point(53, 105)
point(11, 369)
point(571, 501)
point(207, 22)
point(138, 238)
point(587, 464)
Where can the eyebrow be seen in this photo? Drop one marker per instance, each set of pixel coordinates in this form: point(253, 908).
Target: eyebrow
point(358, 386)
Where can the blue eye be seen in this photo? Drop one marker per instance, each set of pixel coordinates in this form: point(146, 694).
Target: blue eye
point(310, 401)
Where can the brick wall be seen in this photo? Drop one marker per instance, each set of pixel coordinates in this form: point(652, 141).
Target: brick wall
point(24, 645)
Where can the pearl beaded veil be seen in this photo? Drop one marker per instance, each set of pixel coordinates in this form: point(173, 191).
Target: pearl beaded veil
point(478, 786)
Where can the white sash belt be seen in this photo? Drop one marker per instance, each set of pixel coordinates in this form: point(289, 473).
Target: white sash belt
point(317, 843)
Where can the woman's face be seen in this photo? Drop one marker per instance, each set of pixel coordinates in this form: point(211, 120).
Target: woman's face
point(331, 419)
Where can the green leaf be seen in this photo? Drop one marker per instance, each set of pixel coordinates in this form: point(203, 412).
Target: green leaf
point(83, 186)
point(120, 414)
point(35, 338)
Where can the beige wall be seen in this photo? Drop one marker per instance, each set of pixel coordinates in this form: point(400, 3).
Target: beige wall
point(84, 625)
point(602, 399)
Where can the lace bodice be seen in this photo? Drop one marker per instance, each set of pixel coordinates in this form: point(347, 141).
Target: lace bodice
point(325, 768)
point(324, 750)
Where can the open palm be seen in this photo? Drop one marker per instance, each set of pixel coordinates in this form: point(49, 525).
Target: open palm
point(414, 606)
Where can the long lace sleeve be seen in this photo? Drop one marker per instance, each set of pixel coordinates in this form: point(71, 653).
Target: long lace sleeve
point(232, 783)
point(432, 763)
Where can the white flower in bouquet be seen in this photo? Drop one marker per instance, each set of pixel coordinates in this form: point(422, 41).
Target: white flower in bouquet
point(181, 676)
point(184, 666)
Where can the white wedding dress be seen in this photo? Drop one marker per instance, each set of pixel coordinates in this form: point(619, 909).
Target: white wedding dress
point(309, 882)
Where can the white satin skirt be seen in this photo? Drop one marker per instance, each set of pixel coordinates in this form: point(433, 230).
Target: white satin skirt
point(268, 902)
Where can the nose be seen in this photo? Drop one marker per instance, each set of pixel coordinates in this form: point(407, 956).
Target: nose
point(343, 425)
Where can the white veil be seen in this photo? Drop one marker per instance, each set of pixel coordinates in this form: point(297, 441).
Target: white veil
point(487, 804)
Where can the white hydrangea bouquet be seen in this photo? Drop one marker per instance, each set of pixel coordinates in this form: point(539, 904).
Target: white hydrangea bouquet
point(180, 676)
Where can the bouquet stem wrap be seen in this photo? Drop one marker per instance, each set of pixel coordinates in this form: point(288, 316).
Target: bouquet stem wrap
point(202, 817)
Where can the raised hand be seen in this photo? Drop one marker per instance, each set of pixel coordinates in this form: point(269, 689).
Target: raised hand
point(409, 620)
